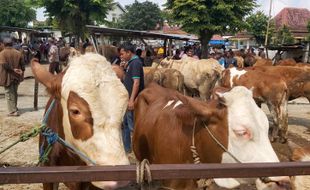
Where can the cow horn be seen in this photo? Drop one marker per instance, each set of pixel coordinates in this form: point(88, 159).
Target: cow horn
point(41, 74)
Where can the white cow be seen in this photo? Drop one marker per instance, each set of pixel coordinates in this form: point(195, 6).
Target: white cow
point(90, 102)
point(199, 75)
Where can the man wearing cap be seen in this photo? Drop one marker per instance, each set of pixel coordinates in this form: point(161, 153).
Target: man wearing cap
point(53, 57)
point(11, 74)
point(134, 83)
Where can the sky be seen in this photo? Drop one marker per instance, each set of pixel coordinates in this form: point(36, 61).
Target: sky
point(278, 5)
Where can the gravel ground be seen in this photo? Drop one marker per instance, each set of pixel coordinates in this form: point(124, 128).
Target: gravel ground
point(26, 154)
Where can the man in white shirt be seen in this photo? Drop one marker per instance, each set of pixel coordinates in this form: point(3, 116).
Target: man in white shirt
point(53, 57)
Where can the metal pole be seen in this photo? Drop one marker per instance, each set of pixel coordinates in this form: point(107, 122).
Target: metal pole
point(268, 25)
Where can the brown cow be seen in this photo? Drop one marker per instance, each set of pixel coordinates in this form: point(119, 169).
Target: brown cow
point(263, 62)
point(108, 51)
point(297, 79)
point(90, 102)
point(266, 88)
point(166, 122)
point(168, 78)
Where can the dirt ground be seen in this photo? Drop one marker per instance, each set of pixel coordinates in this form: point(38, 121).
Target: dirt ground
point(26, 154)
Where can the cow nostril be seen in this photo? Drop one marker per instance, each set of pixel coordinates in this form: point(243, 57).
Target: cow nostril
point(285, 185)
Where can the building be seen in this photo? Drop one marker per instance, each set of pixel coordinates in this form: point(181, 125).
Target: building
point(115, 13)
point(296, 19)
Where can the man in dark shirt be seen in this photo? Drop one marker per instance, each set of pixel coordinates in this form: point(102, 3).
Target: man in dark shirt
point(134, 83)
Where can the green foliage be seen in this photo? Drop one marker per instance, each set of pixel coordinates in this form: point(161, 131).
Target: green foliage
point(257, 25)
point(16, 13)
point(141, 16)
point(72, 15)
point(211, 15)
point(208, 17)
point(284, 36)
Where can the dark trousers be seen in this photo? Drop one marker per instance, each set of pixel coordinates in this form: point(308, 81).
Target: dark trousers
point(54, 67)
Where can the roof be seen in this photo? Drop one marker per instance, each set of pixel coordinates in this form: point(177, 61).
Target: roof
point(134, 33)
point(17, 29)
point(120, 6)
point(296, 19)
point(35, 32)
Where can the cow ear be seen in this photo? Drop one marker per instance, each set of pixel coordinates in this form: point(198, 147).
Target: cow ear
point(200, 108)
point(41, 74)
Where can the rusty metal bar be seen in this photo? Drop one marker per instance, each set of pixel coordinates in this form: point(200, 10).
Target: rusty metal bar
point(15, 175)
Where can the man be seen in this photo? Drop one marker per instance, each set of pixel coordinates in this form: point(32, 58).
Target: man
point(230, 61)
point(261, 52)
point(134, 83)
point(53, 57)
point(11, 74)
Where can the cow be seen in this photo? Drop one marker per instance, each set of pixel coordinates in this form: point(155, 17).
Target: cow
point(89, 104)
point(266, 89)
point(301, 154)
point(168, 78)
point(291, 62)
point(263, 62)
point(200, 76)
point(108, 51)
point(167, 123)
point(240, 61)
point(297, 79)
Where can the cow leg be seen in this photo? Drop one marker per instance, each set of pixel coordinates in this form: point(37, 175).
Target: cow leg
point(50, 186)
point(275, 128)
point(283, 121)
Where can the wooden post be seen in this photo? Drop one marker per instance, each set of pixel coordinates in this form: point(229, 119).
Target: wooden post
point(165, 46)
point(170, 47)
point(35, 98)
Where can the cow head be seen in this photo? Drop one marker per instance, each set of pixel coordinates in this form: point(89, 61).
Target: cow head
point(247, 136)
point(93, 101)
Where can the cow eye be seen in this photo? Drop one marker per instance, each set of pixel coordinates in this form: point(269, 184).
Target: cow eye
point(245, 133)
point(74, 112)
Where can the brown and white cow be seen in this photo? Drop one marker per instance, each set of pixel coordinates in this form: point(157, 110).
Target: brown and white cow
point(301, 154)
point(199, 75)
point(168, 78)
point(164, 124)
point(267, 89)
point(90, 102)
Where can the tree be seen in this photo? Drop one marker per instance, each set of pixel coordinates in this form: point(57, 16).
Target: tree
point(284, 36)
point(72, 16)
point(257, 25)
point(208, 17)
point(16, 13)
point(141, 16)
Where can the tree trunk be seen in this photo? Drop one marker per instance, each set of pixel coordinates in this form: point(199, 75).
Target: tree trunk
point(205, 37)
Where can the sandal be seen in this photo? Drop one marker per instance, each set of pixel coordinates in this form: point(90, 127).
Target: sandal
point(13, 114)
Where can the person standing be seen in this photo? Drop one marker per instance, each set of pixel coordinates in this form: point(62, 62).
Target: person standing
point(11, 74)
point(53, 57)
point(134, 83)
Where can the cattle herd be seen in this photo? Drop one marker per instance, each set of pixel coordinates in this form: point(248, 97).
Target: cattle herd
point(187, 104)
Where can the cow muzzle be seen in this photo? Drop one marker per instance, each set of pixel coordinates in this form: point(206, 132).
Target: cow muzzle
point(274, 183)
point(110, 185)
